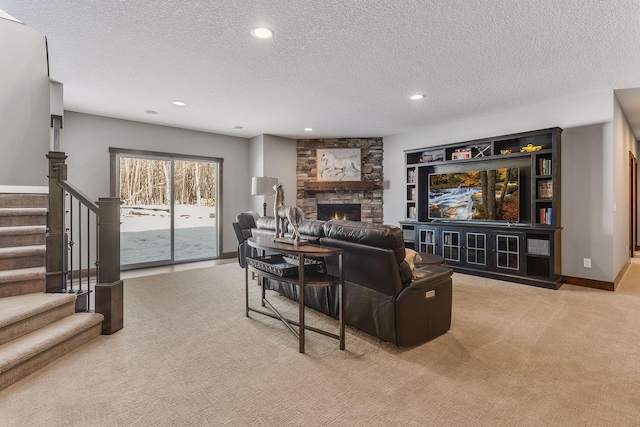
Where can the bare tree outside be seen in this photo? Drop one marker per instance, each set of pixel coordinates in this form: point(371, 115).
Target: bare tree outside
point(145, 190)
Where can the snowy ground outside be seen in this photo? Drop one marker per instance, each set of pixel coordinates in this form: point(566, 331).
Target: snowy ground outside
point(145, 233)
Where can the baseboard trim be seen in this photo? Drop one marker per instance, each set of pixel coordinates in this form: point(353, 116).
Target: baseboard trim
point(589, 283)
point(228, 255)
point(623, 270)
point(598, 284)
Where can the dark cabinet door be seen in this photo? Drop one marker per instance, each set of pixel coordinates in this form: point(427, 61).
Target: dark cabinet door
point(427, 239)
point(508, 251)
point(476, 250)
point(451, 246)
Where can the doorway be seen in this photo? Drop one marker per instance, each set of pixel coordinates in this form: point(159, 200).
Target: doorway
point(633, 204)
point(170, 207)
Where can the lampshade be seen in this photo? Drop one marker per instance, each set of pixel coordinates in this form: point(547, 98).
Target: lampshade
point(263, 186)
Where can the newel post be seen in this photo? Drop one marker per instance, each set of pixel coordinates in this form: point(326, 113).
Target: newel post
point(55, 223)
point(109, 287)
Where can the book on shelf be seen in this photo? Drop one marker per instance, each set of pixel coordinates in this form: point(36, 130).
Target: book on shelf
point(545, 216)
point(411, 176)
point(544, 167)
point(545, 189)
point(411, 213)
point(412, 194)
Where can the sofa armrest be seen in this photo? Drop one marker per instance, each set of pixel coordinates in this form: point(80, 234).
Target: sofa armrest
point(427, 277)
point(423, 309)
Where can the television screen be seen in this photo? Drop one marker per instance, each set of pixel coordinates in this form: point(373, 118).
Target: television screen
point(475, 195)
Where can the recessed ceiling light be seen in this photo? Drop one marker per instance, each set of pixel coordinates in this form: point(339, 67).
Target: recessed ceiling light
point(262, 33)
point(237, 127)
point(416, 97)
point(151, 112)
point(308, 129)
point(179, 103)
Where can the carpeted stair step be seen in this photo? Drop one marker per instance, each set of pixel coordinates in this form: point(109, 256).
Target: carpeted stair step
point(26, 235)
point(22, 281)
point(28, 353)
point(27, 200)
point(22, 257)
point(10, 217)
point(23, 314)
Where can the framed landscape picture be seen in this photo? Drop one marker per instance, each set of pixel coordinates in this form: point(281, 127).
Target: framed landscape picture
point(338, 164)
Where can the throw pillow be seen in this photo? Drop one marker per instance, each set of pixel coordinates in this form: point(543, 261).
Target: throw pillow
point(411, 256)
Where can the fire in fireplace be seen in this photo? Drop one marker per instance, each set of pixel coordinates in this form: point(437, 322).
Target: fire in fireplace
point(327, 211)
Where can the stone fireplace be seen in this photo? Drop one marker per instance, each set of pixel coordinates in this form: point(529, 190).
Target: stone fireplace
point(367, 193)
point(349, 211)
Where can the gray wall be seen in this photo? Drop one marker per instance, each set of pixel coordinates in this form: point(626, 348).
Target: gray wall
point(585, 204)
point(624, 141)
point(280, 157)
point(87, 139)
point(256, 168)
point(275, 157)
point(586, 214)
point(24, 105)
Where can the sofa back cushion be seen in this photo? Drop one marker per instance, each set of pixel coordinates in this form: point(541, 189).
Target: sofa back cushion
point(366, 233)
point(310, 227)
point(368, 266)
point(266, 223)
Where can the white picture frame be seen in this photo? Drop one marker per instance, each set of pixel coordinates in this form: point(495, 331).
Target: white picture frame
point(338, 164)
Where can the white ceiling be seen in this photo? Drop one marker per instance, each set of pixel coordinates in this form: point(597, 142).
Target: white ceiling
point(343, 67)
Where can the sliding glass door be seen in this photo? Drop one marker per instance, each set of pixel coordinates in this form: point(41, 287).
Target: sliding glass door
point(145, 214)
point(169, 208)
point(195, 210)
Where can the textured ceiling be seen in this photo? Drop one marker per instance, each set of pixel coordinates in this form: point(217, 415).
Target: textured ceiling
point(344, 68)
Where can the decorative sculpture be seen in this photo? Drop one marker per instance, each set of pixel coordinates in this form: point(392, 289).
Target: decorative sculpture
point(281, 212)
point(529, 148)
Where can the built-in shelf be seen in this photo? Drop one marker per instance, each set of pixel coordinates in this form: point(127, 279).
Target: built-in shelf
point(489, 246)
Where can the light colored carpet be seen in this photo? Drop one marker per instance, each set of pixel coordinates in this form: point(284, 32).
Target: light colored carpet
point(515, 355)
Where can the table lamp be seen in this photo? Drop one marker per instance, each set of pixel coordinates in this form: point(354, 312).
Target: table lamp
point(263, 186)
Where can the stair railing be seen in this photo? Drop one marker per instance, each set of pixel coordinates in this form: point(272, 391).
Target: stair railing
point(79, 231)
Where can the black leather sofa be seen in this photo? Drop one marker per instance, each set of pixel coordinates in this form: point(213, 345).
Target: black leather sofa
point(383, 296)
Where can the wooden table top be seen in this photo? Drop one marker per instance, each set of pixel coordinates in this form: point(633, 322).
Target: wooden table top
point(268, 243)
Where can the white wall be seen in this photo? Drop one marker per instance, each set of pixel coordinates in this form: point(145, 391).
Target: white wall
point(88, 138)
point(568, 113)
point(24, 105)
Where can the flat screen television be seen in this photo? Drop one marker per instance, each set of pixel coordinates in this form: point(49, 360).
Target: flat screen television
point(487, 195)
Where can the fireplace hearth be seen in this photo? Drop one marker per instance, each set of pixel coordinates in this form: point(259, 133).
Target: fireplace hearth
point(327, 211)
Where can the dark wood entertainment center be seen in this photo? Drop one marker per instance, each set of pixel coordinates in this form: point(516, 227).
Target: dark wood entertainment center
point(525, 250)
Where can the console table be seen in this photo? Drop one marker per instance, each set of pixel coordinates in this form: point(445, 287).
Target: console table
point(302, 280)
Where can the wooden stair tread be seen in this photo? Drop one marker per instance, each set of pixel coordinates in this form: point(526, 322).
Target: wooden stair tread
point(28, 346)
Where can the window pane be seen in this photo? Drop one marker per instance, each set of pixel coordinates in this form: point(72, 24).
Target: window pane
point(195, 207)
point(145, 214)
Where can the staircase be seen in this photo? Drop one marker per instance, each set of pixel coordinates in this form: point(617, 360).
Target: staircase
point(35, 327)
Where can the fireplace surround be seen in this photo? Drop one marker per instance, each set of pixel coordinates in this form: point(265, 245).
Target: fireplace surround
point(367, 192)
